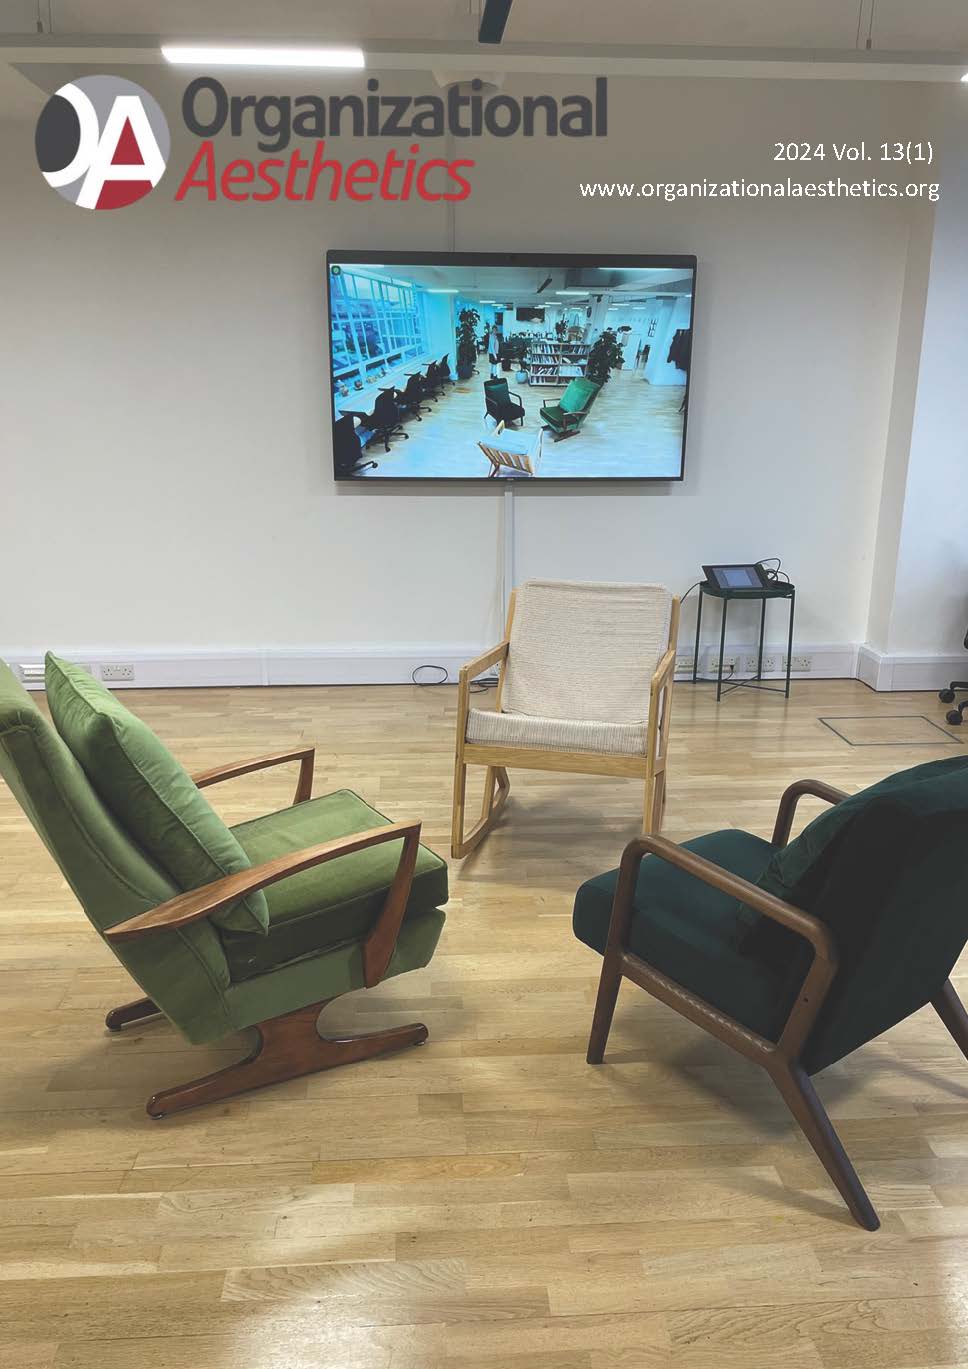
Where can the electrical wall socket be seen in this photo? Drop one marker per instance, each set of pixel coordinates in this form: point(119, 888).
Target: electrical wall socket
point(799, 665)
point(750, 664)
point(117, 670)
point(729, 663)
point(684, 665)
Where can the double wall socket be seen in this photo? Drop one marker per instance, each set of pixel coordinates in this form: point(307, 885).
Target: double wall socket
point(117, 670)
point(799, 665)
point(751, 663)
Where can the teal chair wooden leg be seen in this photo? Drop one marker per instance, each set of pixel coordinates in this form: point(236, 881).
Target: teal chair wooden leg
point(951, 1010)
point(800, 1096)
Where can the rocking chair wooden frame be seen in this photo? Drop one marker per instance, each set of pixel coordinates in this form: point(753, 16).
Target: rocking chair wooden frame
point(496, 759)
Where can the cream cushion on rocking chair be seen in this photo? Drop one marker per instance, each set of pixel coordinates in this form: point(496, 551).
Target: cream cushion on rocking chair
point(579, 667)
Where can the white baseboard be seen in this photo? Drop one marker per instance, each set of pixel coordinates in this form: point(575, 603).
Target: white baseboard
point(886, 672)
point(189, 668)
point(830, 662)
point(186, 668)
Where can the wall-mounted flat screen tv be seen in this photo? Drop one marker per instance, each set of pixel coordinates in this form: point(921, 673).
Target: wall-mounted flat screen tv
point(523, 367)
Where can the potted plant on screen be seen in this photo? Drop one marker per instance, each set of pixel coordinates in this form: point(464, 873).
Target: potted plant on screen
point(517, 349)
point(467, 321)
point(604, 357)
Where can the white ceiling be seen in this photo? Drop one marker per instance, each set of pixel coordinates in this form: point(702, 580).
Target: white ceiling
point(812, 39)
point(519, 284)
point(899, 25)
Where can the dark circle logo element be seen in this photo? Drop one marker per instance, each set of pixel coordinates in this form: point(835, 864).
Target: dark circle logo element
point(102, 142)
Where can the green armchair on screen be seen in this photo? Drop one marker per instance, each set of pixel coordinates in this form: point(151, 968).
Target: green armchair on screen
point(567, 416)
point(795, 953)
point(259, 925)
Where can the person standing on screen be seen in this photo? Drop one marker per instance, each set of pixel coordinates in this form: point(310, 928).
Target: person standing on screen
point(494, 350)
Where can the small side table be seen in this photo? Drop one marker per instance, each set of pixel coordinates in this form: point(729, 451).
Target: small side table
point(782, 590)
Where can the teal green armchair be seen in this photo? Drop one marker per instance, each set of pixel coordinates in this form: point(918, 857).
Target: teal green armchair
point(795, 953)
point(260, 925)
point(567, 416)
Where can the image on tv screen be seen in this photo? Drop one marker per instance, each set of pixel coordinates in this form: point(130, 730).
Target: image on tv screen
point(530, 368)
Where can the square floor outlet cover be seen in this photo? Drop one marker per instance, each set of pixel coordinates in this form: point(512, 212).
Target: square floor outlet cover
point(908, 729)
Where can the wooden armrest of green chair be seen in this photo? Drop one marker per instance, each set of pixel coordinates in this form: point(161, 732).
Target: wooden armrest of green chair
point(201, 903)
point(306, 755)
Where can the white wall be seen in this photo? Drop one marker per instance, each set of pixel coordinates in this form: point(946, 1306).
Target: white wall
point(931, 591)
point(166, 457)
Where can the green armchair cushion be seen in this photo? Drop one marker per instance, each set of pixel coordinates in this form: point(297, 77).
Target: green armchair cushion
point(687, 929)
point(578, 395)
point(498, 389)
point(146, 789)
point(335, 902)
point(791, 868)
point(798, 871)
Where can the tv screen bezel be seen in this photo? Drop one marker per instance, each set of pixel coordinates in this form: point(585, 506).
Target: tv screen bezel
point(655, 260)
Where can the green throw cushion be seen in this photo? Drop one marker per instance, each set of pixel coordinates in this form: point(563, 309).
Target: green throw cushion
point(790, 874)
point(577, 396)
point(332, 903)
point(574, 399)
point(798, 871)
point(148, 791)
point(792, 864)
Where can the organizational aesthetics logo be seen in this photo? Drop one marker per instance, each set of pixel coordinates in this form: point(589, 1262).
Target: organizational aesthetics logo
point(102, 142)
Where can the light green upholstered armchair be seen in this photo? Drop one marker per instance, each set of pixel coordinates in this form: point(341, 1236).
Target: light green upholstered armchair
point(259, 925)
point(567, 416)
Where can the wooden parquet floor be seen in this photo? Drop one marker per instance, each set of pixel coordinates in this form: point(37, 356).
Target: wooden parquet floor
point(487, 1199)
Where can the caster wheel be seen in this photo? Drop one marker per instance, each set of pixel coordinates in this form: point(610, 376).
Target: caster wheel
point(947, 696)
point(954, 717)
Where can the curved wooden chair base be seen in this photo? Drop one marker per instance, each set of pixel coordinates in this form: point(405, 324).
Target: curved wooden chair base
point(131, 1012)
point(288, 1046)
point(496, 789)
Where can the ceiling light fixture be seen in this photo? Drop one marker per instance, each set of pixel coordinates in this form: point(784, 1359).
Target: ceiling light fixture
point(583, 293)
point(440, 290)
point(181, 54)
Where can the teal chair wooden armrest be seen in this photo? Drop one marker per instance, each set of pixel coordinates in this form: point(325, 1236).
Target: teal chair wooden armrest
point(351, 898)
point(868, 933)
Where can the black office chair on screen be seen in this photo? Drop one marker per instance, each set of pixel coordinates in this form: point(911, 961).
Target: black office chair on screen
point(956, 715)
point(348, 449)
point(384, 422)
point(410, 397)
point(433, 381)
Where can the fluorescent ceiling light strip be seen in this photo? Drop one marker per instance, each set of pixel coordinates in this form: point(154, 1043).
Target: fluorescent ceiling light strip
point(233, 56)
point(431, 290)
point(571, 292)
